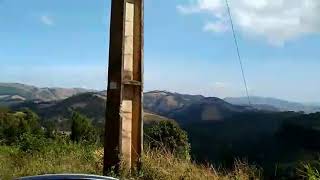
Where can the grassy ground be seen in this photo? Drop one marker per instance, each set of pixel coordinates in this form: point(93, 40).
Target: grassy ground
point(76, 159)
point(73, 158)
point(164, 166)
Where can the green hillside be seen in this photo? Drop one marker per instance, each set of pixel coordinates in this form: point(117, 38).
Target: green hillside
point(275, 141)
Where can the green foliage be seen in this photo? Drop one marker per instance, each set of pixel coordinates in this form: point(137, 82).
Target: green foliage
point(32, 143)
point(168, 135)
point(14, 124)
point(54, 158)
point(309, 171)
point(50, 129)
point(82, 129)
point(36, 152)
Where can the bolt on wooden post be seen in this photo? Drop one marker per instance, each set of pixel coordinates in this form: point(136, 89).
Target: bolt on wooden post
point(123, 127)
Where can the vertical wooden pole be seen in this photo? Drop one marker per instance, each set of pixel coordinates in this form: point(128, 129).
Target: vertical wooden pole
point(123, 136)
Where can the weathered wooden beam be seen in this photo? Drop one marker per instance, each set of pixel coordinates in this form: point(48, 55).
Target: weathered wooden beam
point(123, 137)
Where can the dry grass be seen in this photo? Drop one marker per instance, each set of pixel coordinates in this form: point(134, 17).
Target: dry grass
point(165, 166)
point(150, 118)
point(77, 159)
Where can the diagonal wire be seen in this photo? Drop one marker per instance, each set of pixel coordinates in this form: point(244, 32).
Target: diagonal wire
point(238, 52)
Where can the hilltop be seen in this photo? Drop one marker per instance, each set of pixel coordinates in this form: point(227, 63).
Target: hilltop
point(13, 93)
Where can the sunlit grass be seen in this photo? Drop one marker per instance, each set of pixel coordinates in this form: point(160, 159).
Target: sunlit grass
point(74, 158)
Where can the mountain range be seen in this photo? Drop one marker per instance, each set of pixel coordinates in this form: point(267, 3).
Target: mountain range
point(181, 107)
point(190, 108)
point(55, 103)
point(274, 104)
point(14, 93)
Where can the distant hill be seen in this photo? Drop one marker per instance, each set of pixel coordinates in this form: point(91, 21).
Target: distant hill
point(208, 109)
point(55, 103)
point(183, 108)
point(190, 108)
point(90, 104)
point(164, 102)
point(160, 102)
point(273, 103)
point(12, 93)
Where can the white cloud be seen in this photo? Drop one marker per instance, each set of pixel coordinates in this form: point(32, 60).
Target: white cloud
point(216, 27)
point(47, 20)
point(221, 85)
point(276, 21)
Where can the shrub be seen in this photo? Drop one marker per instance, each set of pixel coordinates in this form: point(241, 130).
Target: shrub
point(168, 135)
point(50, 129)
point(14, 124)
point(82, 129)
point(32, 143)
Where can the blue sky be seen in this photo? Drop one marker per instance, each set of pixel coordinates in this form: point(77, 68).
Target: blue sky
point(188, 46)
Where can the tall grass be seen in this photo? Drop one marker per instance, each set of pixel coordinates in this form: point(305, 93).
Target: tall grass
point(53, 159)
point(160, 165)
point(75, 158)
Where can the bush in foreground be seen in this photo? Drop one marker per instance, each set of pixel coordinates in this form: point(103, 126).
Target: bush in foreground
point(13, 125)
point(168, 136)
point(82, 129)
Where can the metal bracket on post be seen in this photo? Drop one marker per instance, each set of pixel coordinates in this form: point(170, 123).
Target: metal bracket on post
point(123, 127)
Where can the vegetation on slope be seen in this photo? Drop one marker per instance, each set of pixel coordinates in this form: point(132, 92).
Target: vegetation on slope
point(282, 143)
point(277, 142)
point(36, 151)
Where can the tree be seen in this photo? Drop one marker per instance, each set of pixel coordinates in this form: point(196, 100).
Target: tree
point(14, 124)
point(82, 129)
point(31, 119)
point(50, 129)
point(168, 135)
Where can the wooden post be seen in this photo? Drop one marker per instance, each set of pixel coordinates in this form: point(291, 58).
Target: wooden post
point(124, 124)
